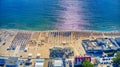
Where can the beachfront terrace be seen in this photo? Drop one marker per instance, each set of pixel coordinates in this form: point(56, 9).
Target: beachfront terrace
point(100, 45)
point(115, 43)
point(91, 46)
point(118, 41)
point(106, 44)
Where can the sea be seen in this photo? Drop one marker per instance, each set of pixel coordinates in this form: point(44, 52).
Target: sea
point(40, 15)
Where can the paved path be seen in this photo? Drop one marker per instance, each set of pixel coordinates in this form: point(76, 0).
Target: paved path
point(16, 51)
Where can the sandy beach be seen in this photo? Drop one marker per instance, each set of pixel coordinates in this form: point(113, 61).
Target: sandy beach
point(39, 42)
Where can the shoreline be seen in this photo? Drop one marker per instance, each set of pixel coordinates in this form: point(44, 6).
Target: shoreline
point(63, 31)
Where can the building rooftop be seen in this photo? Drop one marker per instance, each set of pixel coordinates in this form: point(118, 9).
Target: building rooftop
point(11, 61)
point(91, 45)
point(104, 44)
point(39, 63)
point(58, 63)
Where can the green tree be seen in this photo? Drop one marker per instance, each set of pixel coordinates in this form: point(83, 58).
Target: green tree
point(116, 60)
point(87, 64)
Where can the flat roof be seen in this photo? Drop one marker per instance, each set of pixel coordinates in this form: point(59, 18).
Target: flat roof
point(58, 62)
point(11, 60)
point(92, 45)
point(40, 60)
point(39, 64)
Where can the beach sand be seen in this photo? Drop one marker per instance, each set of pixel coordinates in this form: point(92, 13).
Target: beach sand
point(41, 41)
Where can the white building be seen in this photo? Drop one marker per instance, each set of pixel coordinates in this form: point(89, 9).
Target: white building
point(39, 63)
point(58, 63)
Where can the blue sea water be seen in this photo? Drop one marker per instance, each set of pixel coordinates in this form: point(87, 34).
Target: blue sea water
point(99, 15)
